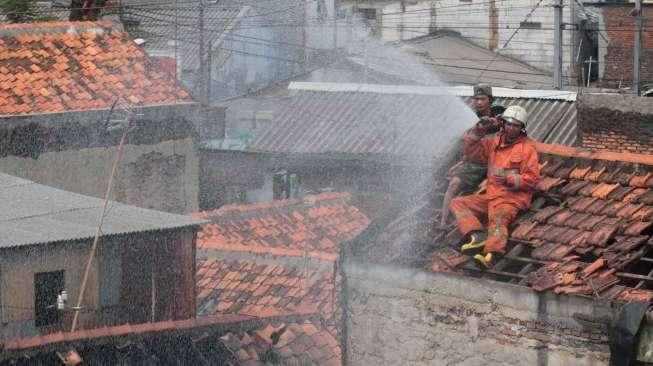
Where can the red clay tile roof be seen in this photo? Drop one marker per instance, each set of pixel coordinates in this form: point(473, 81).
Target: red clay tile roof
point(66, 66)
point(285, 344)
point(227, 340)
point(266, 290)
point(590, 230)
point(315, 226)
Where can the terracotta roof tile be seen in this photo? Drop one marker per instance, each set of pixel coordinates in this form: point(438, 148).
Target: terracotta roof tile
point(52, 70)
point(315, 227)
point(240, 287)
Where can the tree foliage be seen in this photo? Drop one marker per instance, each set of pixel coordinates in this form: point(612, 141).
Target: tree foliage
point(18, 11)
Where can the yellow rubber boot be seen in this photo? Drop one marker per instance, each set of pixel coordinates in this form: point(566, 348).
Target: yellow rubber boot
point(475, 244)
point(486, 260)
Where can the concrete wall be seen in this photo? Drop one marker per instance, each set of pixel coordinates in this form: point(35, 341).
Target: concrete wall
point(412, 317)
point(75, 151)
point(621, 123)
point(164, 176)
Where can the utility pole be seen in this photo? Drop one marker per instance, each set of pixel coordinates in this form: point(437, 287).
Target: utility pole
point(557, 44)
point(637, 52)
point(202, 68)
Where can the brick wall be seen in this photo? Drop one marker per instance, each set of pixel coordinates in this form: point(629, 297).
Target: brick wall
point(619, 25)
point(400, 316)
point(619, 123)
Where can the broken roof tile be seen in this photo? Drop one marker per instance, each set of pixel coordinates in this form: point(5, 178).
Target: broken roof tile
point(601, 283)
point(628, 295)
point(595, 266)
point(581, 240)
point(620, 260)
point(629, 243)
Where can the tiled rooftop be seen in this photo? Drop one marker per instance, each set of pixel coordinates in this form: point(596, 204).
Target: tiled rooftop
point(66, 66)
point(590, 230)
point(266, 290)
point(315, 226)
point(285, 344)
point(228, 340)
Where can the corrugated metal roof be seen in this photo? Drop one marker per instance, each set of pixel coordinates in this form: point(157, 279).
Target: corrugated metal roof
point(390, 120)
point(33, 213)
point(551, 121)
point(365, 123)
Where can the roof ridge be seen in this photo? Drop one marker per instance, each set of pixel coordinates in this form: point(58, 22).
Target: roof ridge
point(79, 26)
point(310, 199)
point(572, 152)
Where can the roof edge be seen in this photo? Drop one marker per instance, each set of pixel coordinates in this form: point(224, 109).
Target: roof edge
point(572, 152)
point(461, 90)
point(31, 345)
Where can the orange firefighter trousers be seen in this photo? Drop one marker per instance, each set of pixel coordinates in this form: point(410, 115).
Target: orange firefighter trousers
point(470, 210)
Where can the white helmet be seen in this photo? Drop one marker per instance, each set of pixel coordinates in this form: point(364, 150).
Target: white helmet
point(516, 113)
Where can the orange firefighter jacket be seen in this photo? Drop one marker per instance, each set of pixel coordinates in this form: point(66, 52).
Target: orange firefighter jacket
point(517, 161)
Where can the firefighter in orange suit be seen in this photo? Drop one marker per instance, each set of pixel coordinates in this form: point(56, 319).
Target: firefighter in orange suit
point(513, 172)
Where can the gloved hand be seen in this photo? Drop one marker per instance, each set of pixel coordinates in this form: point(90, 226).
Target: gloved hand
point(482, 126)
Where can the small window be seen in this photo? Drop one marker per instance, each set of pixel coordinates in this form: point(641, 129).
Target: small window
point(47, 285)
point(369, 14)
point(530, 25)
point(284, 185)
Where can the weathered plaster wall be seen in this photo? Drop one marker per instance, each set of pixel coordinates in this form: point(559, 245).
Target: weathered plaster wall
point(164, 176)
point(18, 267)
point(411, 317)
